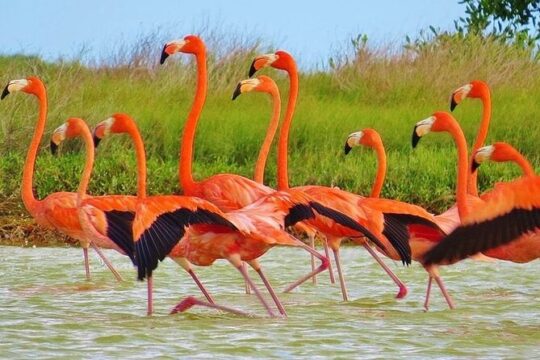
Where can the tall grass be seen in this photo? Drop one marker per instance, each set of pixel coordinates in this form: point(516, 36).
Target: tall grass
point(387, 87)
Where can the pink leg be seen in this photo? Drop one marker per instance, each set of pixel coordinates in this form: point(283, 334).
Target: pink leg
point(322, 267)
point(255, 265)
point(312, 244)
point(201, 286)
point(191, 301)
point(86, 263)
point(402, 288)
point(447, 297)
point(150, 302)
point(248, 289)
point(327, 254)
point(106, 261)
point(238, 264)
point(428, 293)
point(341, 277)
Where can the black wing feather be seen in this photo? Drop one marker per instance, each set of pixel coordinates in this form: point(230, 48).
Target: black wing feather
point(468, 240)
point(119, 230)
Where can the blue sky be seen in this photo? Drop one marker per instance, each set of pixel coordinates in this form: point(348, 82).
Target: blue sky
point(309, 29)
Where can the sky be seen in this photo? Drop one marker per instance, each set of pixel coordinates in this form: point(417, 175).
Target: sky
point(310, 30)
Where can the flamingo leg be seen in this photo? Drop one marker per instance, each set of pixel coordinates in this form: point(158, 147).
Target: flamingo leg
point(445, 293)
point(327, 254)
point(150, 302)
point(257, 267)
point(237, 262)
point(106, 261)
point(428, 293)
point(248, 289)
point(86, 263)
point(186, 265)
point(341, 277)
point(191, 301)
point(322, 267)
point(402, 288)
point(312, 244)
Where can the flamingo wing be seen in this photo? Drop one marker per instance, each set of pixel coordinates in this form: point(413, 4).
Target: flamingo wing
point(165, 229)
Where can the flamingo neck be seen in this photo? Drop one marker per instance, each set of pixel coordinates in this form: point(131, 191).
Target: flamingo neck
point(88, 164)
point(135, 135)
point(186, 151)
point(381, 170)
point(283, 176)
point(270, 133)
point(462, 169)
point(523, 163)
point(27, 193)
point(480, 138)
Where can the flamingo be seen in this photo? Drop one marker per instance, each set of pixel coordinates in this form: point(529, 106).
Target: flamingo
point(476, 89)
point(395, 242)
point(160, 220)
point(506, 225)
point(58, 210)
point(421, 226)
point(266, 84)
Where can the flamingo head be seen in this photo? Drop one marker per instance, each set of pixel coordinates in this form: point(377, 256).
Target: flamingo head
point(367, 137)
point(116, 124)
point(439, 121)
point(281, 60)
point(190, 44)
point(70, 129)
point(261, 84)
point(30, 85)
point(475, 89)
point(481, 155)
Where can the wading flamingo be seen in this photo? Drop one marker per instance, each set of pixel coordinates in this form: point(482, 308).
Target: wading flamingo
point(444, 122)
point(159, 225)
point(395, 241)
point(421, 225)
point(232, 191)
point(266, 84)
point(58, 210)
point(506, 226)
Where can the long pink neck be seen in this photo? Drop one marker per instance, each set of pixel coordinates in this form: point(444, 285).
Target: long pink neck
point(283, 176)
point(27, 193)
point(135, 135)
point(525, 166)
point(89, 163)
point(480, 138)
point(270, 133)
point(462, 168)
point(381, 170)
point(186, 151)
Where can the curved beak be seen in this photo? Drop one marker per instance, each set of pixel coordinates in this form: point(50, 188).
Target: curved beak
point(54, 148)
point(252, 69)
point(453, 103)
point(164, 55)
point(237, 91)
point(5, 92)
point(474, 166)
point(96, 138)
point(415, 137)
point(348, 148)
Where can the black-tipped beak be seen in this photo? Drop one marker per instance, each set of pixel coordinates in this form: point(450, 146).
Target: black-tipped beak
point(474, 166)
point(164, 55)
point(5, 92)
point(54, 148)
point(453, 103)
point(96, 141)
point(347, 148)
point(415, 138)
point(237, 91)
point(252, 69)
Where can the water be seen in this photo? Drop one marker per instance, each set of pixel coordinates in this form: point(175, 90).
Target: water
point(47, 310)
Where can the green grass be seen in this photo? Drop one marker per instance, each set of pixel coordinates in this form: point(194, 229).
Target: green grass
point(366, 88)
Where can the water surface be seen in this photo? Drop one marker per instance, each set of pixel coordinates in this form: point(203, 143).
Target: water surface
point(48, 310)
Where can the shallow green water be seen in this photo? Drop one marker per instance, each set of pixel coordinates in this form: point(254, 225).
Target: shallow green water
point(49, 311)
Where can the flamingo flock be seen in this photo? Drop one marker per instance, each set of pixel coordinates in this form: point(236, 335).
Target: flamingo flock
point(234, 218)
